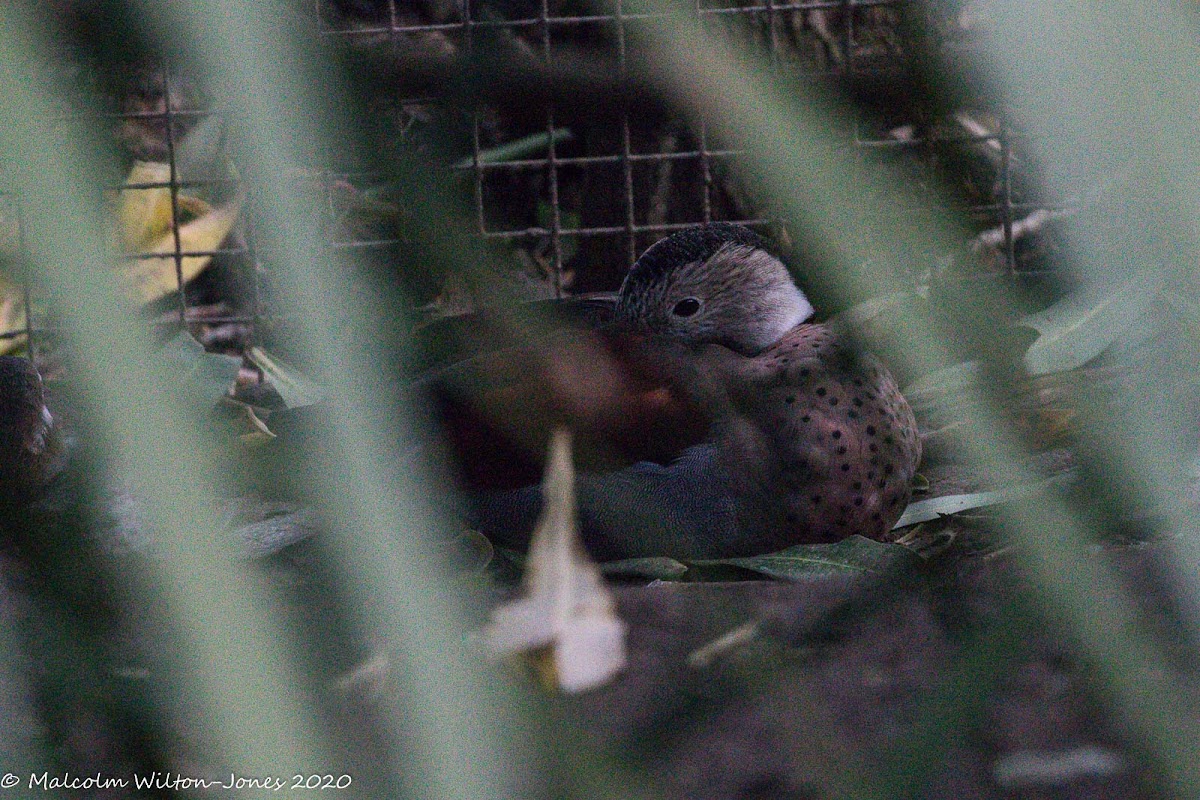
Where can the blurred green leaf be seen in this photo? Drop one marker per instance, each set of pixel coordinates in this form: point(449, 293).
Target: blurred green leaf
point(200, 156)
point(953, 378)
point(853, 556)
point(883, 307)
point(1080, 327)
point(209, 375)
point(296, 390)
point(226, 646)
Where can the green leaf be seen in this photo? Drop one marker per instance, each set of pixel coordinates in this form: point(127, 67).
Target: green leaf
point(296, 390)
point(952, 379)
point(519, 148)
point(208, 375)
point(1081, 326)
point(937, 507)
point(661, 568)
point(856, 555)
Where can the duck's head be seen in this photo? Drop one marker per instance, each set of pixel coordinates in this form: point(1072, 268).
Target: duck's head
point(713, 284)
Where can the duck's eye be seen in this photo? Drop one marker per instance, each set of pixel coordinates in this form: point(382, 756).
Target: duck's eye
point(686, 307)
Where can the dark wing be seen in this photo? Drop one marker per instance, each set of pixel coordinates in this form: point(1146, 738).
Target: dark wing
point(444, 342)
point(683, 510)
point(500, 399)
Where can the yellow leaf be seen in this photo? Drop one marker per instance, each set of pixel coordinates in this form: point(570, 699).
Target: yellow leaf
point(12, 316)
point(152, 278)
point(146, 221)
point(144, 215)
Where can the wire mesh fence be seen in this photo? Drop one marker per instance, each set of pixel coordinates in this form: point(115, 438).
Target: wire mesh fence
point(571, 188)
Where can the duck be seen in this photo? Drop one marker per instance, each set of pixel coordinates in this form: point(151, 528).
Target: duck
point(743, 427)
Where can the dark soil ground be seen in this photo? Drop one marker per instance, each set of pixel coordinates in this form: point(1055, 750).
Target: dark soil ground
point(938, 683)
